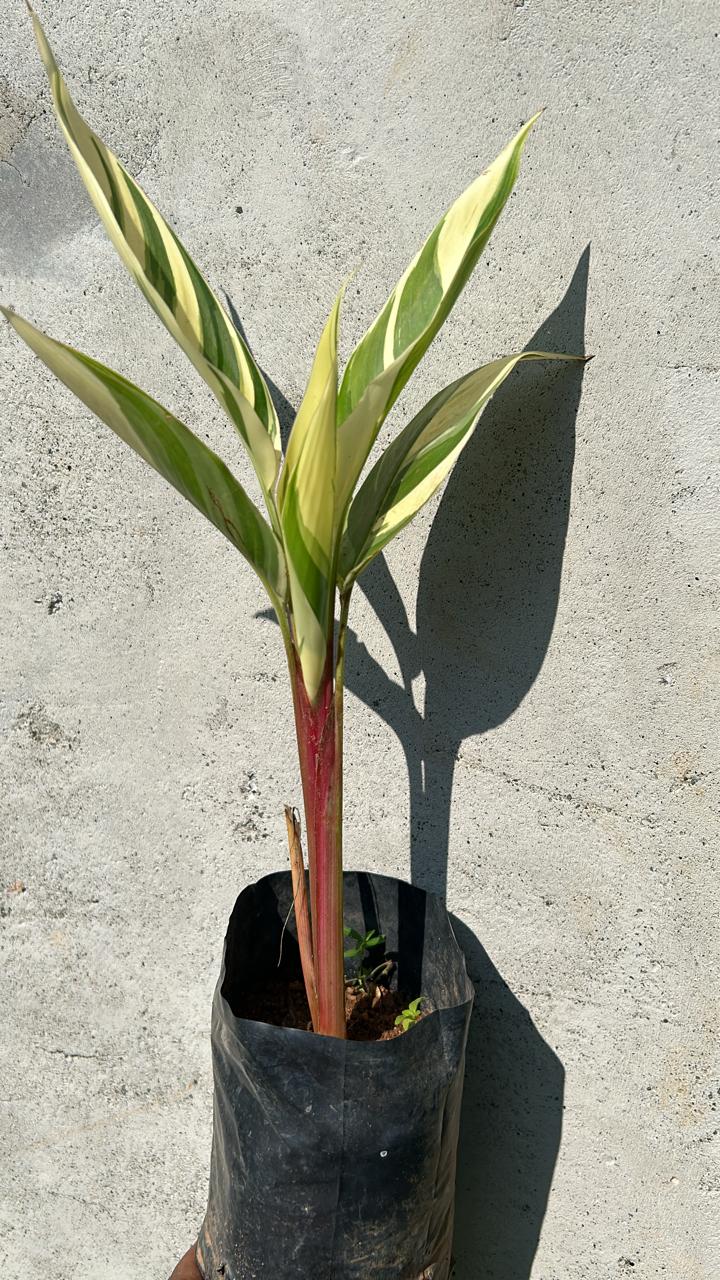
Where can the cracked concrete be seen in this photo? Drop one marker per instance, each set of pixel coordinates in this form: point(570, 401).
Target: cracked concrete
point(532, 716)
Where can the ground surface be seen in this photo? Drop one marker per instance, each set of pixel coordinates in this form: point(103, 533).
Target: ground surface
point(552, 699)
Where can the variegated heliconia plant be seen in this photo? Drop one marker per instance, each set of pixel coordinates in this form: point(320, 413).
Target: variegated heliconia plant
point(321, 529)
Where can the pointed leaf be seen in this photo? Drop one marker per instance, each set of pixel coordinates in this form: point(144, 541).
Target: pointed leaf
point(168, 446)
point(170, 281)
point(306, 496)
point(386, 356)
point(418, 461)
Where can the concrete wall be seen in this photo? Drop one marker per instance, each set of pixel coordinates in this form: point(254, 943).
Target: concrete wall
point(533, 717)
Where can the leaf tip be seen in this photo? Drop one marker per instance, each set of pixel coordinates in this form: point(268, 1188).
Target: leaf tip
point(351, 275)
point(518, 142)
point(46, 52)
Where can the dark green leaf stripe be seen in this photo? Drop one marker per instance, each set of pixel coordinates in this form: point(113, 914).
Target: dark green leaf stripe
point(109, 185)
point(217, 340)
point(367, 361)
point(420, 298)
point(420, 466)
point(156, 262)
point(309, 563)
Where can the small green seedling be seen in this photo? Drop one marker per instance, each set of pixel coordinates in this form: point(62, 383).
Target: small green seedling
point(363, 942)
point(411, 1015)
point(366, 977)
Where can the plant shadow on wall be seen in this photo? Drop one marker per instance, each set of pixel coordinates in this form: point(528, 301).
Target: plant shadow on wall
point(485, 615)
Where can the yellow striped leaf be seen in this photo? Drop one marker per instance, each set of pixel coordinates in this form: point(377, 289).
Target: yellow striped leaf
point(394, 344)
point(417, 462)
point(169, 446)
point(306, 497)
point(171, 282)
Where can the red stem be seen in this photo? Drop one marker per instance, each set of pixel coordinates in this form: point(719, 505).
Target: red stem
point(320, 757)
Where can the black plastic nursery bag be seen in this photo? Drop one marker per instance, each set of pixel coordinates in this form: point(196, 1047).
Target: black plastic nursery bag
point(335, 1159)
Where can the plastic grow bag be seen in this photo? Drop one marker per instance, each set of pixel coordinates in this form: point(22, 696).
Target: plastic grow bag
point(335, 1159)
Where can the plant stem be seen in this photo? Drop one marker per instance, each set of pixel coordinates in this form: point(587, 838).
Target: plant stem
point(339, 704)
point(302, 914)
point(319, 727)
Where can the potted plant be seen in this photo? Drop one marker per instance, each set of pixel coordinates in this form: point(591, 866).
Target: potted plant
point(341, 1013)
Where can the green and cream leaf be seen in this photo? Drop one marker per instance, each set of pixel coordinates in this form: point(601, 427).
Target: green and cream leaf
point(171, 282)
point(306, 498)
point(417, 462)
point(168, 446)
point(386, 356)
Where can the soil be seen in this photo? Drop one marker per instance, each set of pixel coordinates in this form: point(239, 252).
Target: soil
point(370, 1016)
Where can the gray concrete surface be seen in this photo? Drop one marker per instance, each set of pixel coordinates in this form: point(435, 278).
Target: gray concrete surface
point(544, 739)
